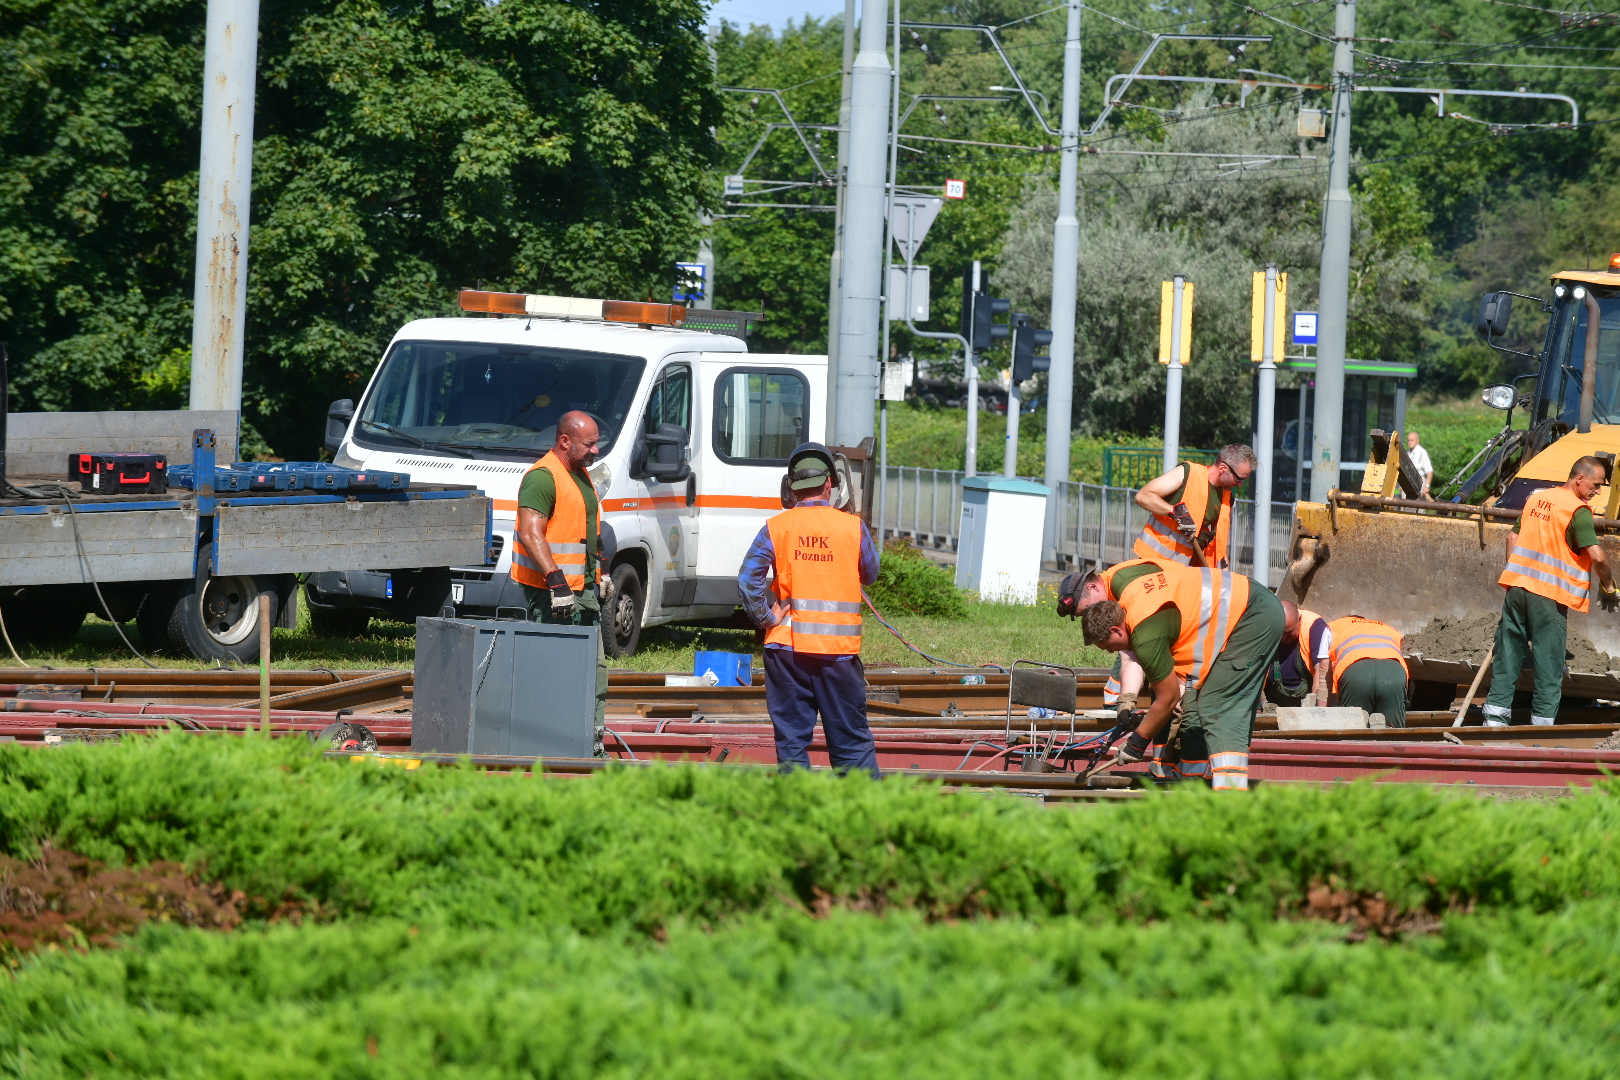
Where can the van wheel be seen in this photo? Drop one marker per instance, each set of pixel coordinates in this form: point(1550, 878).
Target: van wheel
point(621, 623)
point(217, 618)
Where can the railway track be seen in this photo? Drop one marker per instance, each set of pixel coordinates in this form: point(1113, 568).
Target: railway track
point(648, 721)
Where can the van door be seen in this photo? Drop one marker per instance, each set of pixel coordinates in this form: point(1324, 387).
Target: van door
point(758, 408)
point(667, 508)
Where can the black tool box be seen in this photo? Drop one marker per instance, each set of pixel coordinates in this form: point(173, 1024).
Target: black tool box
point(119, 474)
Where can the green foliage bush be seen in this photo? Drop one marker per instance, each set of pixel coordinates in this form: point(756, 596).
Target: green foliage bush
point(908, 583)
point(853, 995)
point(643, 848)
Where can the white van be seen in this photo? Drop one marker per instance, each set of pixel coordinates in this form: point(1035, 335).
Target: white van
point(695, 434)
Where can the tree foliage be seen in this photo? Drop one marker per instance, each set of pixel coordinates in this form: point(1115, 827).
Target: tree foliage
point(401, 151)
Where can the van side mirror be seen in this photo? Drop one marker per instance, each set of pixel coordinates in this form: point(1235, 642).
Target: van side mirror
point(663, 455)
point(338, 416)
point(1494, 311)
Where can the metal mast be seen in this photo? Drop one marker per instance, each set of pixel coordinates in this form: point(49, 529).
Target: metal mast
point(835, 269)
point(1334, 297)
point(224, 193)
point(1065, 280)
point(854, 379)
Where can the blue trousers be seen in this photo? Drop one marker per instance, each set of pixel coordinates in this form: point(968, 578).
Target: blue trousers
point(797, 686)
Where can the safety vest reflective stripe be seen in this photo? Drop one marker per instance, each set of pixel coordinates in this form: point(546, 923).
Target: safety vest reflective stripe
point(1111, 690)
point(566, 530)
point(828, 629)
point(1541, 561)
point(1157, 540)
point(1356, 639)
point(825, 605)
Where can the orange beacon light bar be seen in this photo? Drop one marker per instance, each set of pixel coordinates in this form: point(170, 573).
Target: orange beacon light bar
point(1614, 263)
point(569, 307)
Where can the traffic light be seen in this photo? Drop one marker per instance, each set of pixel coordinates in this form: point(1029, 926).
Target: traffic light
point(1026, 338)
point(979, 311)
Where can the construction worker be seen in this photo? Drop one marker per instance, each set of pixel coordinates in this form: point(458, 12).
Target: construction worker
point(1217, 630)
point(1192, 509)
point(555, 551)
point(1551, 555)
point(1292, 678)
point(1365, 669)
point(811, 616)
point(1122, 691)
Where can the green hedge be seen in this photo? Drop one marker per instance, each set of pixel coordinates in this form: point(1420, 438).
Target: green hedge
point(851, 996)
point(643, 848)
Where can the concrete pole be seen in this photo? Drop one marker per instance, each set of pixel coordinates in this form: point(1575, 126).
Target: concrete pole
point(705, 252)
point(970, 367)
point(1065, 282)
point(1172, 378)
point(835, 268)
point(224, 193)
point(888, 299)
point(1266, 423)
point(1334, 300)
point(854, 380)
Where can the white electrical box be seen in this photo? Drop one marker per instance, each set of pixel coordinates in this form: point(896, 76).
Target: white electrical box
point(998, 551)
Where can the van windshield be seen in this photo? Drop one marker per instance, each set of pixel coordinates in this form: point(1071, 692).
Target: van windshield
point(503, 399)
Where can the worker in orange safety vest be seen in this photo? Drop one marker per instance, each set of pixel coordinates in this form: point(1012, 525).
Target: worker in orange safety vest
point(1192, 509)
point(1365, 669)
point(801, 583)
point(1552, 553)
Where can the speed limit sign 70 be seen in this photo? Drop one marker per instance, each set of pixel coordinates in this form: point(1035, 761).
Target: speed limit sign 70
point(956, 189)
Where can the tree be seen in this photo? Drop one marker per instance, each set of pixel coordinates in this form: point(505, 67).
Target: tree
point(401, 152)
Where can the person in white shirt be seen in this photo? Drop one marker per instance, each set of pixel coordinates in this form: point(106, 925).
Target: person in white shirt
point(1419, 458)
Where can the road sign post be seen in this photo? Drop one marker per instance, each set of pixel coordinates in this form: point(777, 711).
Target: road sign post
point(1270, 307)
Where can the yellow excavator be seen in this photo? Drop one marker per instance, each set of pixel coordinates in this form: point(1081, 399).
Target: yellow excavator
point(1387, 554)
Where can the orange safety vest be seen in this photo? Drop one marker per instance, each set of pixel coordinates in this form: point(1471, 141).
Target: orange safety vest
point(1160, 537)
point(566, 530)
point(1355, 638)
point(1210, 602)
point(818, 575)
point(1307, 621)
point(1541, 561)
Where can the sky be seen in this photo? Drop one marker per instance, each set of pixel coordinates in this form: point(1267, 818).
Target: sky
point(775, 13)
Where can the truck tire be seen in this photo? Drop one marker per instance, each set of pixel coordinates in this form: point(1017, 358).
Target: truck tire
point(217, 618)
point(152, 620)
point(41, 620)
point(621, 622)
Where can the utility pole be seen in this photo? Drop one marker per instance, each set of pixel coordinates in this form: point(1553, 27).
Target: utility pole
point(1065, 282)
point(854, 379)
point(1334, 299)
point(1271, 293)
point(705, 252)
point(835, 269)
point(224, 195)
point(1015, 407)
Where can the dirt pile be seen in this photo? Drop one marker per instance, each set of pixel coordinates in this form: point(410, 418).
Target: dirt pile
point(66, 899)
point(1450, 638)
point(1611, 743)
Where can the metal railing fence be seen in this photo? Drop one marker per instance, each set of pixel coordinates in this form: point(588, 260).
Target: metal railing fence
point(1096, 524)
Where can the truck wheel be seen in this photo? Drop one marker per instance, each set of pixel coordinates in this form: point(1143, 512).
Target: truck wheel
point(217, 618)
point(152, 620)
point(42, 621)
point(621, 622)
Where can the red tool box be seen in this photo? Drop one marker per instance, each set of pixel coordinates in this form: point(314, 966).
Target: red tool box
point(119, 474)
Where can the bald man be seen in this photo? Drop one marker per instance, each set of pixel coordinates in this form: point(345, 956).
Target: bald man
point(1304, 648)
point(556, 553)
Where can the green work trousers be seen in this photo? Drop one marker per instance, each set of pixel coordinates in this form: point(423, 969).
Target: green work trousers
point(1378, 686)
point(587, 612)
point(1537, 625)
point(1218, 717)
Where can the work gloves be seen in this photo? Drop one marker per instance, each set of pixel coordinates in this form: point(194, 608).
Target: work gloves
point(1184, 521)
point(1128, 715)
point(604, 592)
point(1609, 601)
point(1136, 749)
point(562, 597)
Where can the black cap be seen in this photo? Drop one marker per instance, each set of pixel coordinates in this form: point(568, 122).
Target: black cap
point(809, 466)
